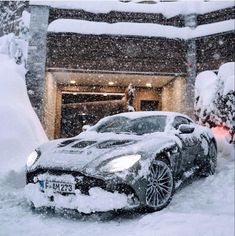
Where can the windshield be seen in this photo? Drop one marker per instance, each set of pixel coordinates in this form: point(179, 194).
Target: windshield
point(139, 126)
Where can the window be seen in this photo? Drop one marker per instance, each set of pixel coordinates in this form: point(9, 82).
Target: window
point(149, 105)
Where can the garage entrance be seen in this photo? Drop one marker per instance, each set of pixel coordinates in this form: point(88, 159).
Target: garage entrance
point(79, 109)
point(74, 99)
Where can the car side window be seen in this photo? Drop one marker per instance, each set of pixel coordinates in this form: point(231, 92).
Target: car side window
point(179, 120)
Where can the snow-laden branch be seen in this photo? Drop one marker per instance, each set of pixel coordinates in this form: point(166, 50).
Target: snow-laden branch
point(215, 97)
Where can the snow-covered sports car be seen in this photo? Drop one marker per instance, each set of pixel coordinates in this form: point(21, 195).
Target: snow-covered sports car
point(127, 160)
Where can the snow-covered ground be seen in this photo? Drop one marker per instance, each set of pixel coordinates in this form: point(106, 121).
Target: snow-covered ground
point(203, 207)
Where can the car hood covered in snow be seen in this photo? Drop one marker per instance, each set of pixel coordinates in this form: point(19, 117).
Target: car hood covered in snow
point(90, 150)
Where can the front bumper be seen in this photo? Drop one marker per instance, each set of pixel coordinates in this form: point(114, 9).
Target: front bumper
point(91, 194)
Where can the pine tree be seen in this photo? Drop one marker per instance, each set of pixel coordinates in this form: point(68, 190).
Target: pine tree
point(10, 14)
point(11, 22)
point(225, 111)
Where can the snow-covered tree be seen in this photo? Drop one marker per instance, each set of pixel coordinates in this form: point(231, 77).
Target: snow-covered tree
point(215, 97)
point(14, 25)
point(225, 97)
point(10, 15)
point(130, 98)
point(206, 86)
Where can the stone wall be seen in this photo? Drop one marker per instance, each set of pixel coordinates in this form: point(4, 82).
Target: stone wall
point(216, 16)
point(116, 53)
point(146, 94)
point(35, 77)
point(50, 105)
point(114, 17)
point(172, 98)
point(215, 50)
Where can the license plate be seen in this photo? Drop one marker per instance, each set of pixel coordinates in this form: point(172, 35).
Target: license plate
point(59, 187)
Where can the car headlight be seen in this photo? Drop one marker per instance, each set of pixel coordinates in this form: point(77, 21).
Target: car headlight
point(33, 157)
point(121, 163)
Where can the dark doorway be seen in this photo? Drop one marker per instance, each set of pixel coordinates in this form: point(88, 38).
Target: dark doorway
point(87, 109)
point(149, 105)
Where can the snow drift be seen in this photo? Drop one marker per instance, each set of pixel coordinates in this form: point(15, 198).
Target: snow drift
point(21, 130)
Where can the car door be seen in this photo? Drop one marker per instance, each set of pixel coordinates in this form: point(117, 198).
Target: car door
point(190, 143)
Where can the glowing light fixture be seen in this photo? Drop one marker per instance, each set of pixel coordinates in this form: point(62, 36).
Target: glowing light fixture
point(121, 163)
point(149, 85)
point(72, 82)
point(105, 94)
point(33, 157)
point(111, 83)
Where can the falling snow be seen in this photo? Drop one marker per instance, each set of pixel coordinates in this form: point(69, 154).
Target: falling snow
point(192, 40)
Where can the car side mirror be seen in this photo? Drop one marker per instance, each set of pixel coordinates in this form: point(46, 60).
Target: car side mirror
point(186, 129)
point(85, 127)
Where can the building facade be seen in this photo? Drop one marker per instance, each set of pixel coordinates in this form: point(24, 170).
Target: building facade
point(79, 76)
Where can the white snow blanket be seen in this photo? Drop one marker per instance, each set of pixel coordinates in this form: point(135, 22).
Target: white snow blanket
point(226, 76)
point(203, 208)
point(21, 130)
point(138, 29)
point(168, 9)
point(98, 200)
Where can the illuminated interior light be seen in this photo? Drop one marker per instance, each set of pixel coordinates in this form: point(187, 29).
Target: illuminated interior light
point(111, 83)
point(148, 84)
point(72, 82)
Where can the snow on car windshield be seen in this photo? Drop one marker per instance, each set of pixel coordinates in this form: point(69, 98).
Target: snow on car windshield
point(139, 126)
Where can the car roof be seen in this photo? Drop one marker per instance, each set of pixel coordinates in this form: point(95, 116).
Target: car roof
point(139, 114)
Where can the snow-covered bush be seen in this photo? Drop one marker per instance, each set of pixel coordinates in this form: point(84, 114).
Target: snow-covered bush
point(205, 92)
point(225, 97)
point(215, 97)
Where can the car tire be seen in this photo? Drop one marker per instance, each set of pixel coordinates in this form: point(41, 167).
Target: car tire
point(209, 166)
point(160, 185)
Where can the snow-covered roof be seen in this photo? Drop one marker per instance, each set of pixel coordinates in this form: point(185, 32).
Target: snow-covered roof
point(138, 29)
point(168, 9)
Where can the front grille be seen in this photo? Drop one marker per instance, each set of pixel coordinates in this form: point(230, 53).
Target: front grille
point(85, 183)
point(82, 182)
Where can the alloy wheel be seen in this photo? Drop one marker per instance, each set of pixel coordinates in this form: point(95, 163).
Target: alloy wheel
point(213, 159)
point(160, 185)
